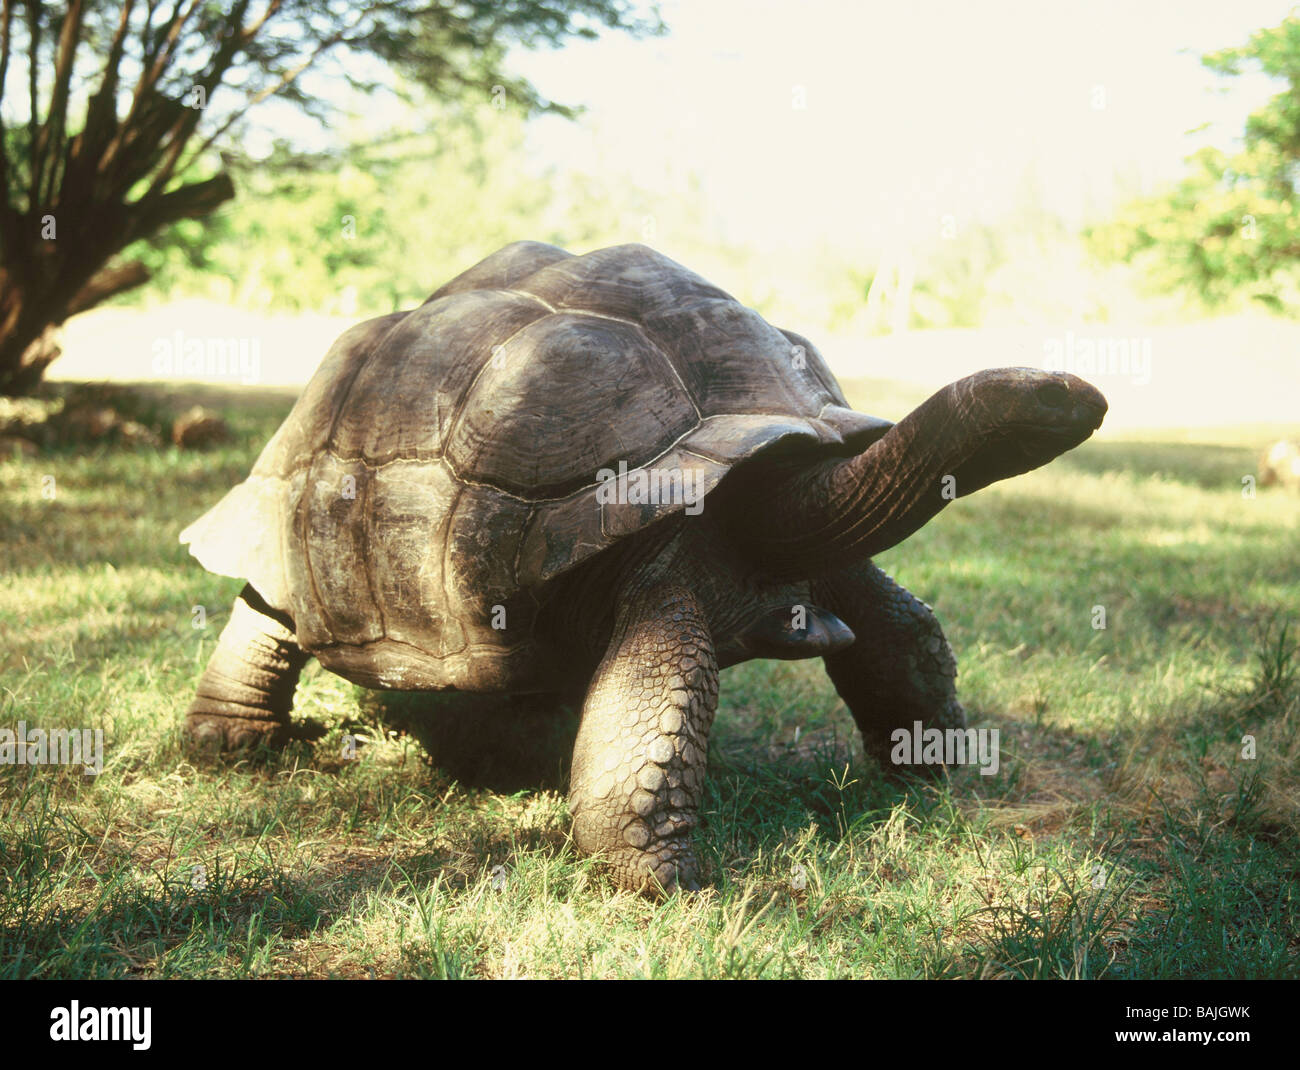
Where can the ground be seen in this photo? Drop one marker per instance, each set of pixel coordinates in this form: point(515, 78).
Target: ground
point(1125, 835)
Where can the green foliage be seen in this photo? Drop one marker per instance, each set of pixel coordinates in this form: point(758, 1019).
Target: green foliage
point(951, 291)
point(1229, 232)
point(384, 221)
point(371, 230)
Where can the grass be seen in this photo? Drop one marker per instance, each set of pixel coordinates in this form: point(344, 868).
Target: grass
point(1126, 834)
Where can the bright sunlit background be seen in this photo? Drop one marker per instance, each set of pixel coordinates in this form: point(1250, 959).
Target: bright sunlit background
point(839, 124)
point(907, 184)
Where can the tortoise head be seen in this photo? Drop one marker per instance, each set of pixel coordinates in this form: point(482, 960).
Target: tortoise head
point(809, 519)
point(1012, 420)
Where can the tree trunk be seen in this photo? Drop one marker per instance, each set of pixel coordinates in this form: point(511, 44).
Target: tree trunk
point(35, 359)
point(45, 283)
point(29, 323)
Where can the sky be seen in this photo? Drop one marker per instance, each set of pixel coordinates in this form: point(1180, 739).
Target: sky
point(838, 122)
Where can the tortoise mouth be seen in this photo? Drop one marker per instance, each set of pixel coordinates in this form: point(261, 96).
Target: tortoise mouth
point(1038, 443)
point(1076, 425)
point(1018, 446)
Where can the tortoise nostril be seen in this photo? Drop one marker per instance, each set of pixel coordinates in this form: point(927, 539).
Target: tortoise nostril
point(1055, 394)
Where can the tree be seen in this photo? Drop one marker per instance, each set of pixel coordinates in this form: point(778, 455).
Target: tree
point(126, 104)
point(387, 218)
point(1230, 229)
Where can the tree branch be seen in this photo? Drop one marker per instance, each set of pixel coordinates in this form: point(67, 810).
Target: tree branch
point(103, 103)
point(7, 18)
point(169, 146)
point(33, 100)
point(7, 233)
point(50, 143)
point(251, 30)
point(287, 79)
point(150, 7)
point(153, 64)
point(108, 282)
point(194, 201)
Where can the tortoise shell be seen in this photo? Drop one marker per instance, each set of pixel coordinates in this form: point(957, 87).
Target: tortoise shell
point(443, 464)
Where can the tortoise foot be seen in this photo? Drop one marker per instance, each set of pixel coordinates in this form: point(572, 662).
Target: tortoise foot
point(218, 733)
point(659, 872)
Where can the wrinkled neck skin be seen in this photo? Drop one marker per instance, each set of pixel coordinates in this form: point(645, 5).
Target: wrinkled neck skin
point(819, 517)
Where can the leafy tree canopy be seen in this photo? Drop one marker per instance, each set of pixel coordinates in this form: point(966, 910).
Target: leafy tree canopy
point(110, 113)
point(1229, 231)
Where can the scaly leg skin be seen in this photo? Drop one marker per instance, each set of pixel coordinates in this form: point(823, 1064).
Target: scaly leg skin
point(246, 692)
point(638, 763)
point(900, 670)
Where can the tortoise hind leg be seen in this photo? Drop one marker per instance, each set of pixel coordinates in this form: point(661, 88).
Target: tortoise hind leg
point(901, 669)
point(246, 692)
point(638, 763)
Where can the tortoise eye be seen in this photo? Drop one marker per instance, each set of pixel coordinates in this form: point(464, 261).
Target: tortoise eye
point(1053, 394)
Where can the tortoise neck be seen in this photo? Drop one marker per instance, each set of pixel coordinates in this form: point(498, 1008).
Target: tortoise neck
point(818, 518)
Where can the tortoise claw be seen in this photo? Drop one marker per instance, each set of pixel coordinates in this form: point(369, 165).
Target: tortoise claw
point(216, 734)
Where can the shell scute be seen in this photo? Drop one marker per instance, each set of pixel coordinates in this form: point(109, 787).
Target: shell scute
point(570, 395)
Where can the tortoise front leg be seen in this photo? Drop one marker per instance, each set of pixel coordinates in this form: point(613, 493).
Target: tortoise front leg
point(638, 763)
point(246, 692)
point(901, 669)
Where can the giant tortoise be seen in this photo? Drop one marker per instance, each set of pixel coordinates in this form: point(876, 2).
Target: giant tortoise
point(602, 476)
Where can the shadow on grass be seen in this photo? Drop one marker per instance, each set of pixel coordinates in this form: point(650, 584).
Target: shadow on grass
point(504, 743)
point(233, 926)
